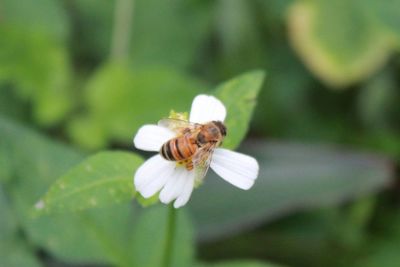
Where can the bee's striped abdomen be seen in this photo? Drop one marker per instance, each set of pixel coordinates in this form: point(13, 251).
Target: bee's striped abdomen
point(166, 152)
point(178, 149)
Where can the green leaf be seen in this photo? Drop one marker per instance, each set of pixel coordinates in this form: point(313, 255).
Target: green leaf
point(145, 202)
point(239, 95)
point(91, 236)
point(100, 180)
point(150, 238)
point(43, 16)
point(384, 253)
point(386, 14)
point(40, 71)
point(16, 254)
point(8, 222)
point(292, 177)
point(120, 100)
point(238, 264)
point(11, 105)
point(382, 248)
point(336, 40)
point(34, 161)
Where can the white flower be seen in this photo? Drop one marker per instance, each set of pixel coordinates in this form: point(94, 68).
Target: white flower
point(176, 182)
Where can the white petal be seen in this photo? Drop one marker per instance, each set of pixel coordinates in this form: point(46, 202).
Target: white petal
point(207, 108)
point(151, 171)
point(154, 186)
point(183, 198)
point(152, 137)
point(174, 186)
point(236, 168)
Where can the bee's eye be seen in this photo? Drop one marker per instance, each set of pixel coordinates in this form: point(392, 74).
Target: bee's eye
point(213, 131)
point(221, 126)
point(201, 138)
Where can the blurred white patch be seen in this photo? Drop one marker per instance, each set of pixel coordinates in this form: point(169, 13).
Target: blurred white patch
point(39, 205)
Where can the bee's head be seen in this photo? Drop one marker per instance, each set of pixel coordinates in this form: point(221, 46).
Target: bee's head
point(221, 127)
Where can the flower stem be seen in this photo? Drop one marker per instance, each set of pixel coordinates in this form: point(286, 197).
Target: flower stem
point(122, 29)
point(169, 237)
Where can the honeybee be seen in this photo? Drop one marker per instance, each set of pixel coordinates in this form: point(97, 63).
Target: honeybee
point(194, 144)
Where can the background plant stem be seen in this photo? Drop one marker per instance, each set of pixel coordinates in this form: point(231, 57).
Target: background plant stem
point(122, 29)
point(169, 237)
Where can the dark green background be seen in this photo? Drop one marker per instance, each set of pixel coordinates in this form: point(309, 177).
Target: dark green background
point(326, 128)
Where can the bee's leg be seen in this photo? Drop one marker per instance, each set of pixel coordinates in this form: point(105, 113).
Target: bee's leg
point(181, 163)
point(186, 131)
point(189, 165)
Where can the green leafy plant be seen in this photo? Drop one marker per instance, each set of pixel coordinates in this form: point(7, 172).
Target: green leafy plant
point(106, 177)
point(89, 184)
point(79, 78)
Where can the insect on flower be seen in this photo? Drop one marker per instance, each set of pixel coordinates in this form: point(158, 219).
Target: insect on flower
point(186, 150)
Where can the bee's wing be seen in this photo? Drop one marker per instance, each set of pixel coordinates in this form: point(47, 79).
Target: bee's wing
point(202, 159)
point(177, 125)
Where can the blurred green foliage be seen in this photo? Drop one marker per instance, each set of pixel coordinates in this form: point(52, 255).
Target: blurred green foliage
point(119, 100)
point(239, 96)
point(34, 57)
point(100, 180)
point(106, 177)
point(313, 205)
